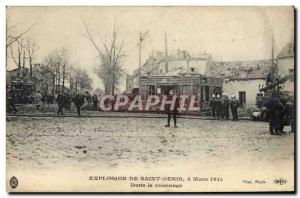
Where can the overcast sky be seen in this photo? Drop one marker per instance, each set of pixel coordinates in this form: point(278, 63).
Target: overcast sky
point(227, 33)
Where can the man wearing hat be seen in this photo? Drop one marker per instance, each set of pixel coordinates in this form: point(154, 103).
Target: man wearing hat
point(234, 103)
point(171, 112)
point(225, 107)
point(212, 105)
point(218, 106)
point(275, 110)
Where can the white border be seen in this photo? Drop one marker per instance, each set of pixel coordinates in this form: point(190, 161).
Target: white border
point(4, 3)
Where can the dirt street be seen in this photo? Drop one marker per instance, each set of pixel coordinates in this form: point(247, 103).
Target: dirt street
point(111, 143)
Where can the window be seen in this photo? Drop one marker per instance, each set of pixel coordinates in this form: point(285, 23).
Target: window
point(158, 90)
point(151, 89)
point(192, 69)
point(242, 98)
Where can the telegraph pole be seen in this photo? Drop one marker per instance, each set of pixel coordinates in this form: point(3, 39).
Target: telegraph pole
point(140, 58)
point(166, 53)
point(141, 39)
point(272, 59)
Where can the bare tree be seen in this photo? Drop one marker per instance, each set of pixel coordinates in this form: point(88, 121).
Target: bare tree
point(58, 62)
point(79, 79)
point(72, 78)
point(111, 54)
point(16, 51)
point(12, 38)
point(17, 46)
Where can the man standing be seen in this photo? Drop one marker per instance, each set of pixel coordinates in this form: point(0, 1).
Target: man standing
point(67, 101)
point(212, 105)
point(38, 98)
point(95, 102)
point(170, 111)
point(275, 110)
point(225, 107)
point(291, 114)
point(88, 98)
point(11, 106)
point(60, 102)
point(284, 121)
point(234, 103)
point(218, 106)
point(78, 101)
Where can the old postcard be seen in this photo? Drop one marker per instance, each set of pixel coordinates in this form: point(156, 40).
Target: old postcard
point(150, 99)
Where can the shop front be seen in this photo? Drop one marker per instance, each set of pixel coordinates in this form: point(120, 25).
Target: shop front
point(198, 85)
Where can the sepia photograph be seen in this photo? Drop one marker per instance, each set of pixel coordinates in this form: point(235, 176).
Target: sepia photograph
point(150, 99)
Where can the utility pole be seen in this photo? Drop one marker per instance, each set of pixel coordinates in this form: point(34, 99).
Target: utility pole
point(166, 54)
point(30, 51)
point(141, 39)
point(140, 58)
point(272, 57)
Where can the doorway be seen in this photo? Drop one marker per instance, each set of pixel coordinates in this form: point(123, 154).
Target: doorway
point(242, 98)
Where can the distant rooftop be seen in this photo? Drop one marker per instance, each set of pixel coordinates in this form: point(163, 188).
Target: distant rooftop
point(287, 51)
point(241, 70)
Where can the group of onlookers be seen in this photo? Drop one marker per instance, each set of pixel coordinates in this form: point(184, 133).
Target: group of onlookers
point(280, 108)
point(64, 101)
point(220, 106)
point(280, 112)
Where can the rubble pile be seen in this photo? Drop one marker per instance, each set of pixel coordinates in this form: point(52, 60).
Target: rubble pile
point(241, 69)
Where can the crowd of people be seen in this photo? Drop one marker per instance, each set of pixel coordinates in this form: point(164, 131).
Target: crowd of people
point(220, 107)
point(280, 113)
point(64, 101)
point(279, 108)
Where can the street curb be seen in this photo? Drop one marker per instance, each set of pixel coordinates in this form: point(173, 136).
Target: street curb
point(113, 116)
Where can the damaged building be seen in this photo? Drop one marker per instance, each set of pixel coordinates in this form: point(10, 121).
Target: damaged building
point(187, 75)
point(286, 67)
point(243, 78)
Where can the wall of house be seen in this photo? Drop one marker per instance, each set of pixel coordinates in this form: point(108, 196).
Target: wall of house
point(135, 81)
point(251, 87)
point(199, 65)
point(284, 65)
point(288, 86)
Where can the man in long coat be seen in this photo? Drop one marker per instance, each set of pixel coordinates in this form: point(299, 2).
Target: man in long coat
point(275, 110)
